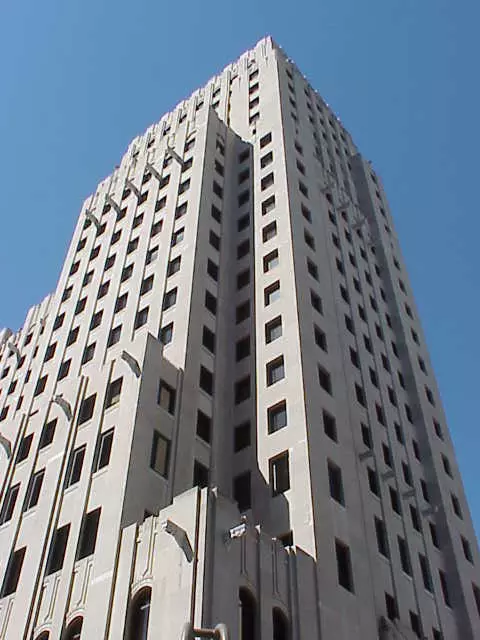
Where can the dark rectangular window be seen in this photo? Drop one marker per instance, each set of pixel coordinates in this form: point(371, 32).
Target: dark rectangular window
point(206, 380)
point(277, 417)
point(88, 535)
point(373, 481)
point(382, 538)
point(216, 213)
point(242, 390)
point(242, 348)
point(114, 336)
point(476, 596)
point(113, 393)
point(273, 329)
point(324, 379)
point(24, 448)
point(404, 556)
point(243, 222)
point(267, 181)
point(275, 371)
point(74, 470)
point(103, 450)
point(242, 492)
point(344, 566)
point(243, 249)
point(242, 311)
point(395, 501)
point(272, 293)
point(208, 339)
point(33, 490)
point(268, 205)
point(243, 279)
point(200, 475)
point(58, 546)
point(330, 426)
point(425, 569)
point(242, 436)
point(12, 574)
point(415, 518)
point(269, 231)
point(335, 482)
point(166, 397)
point(210, 302)
point(266, 139)
point(204, 426)
point(166, 334)
point(86, 408)
point(217, 189)
point(445, 590)
point(214, 240)
point(160, 454)
point(279, 473)
point(391, 606)
point(170, 298)
point(212, 270)
point(9, 502)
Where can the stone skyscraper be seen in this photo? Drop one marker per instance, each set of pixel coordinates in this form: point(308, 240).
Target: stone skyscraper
point(226, 412)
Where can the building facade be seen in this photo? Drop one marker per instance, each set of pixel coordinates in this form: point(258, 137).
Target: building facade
point(226, 412)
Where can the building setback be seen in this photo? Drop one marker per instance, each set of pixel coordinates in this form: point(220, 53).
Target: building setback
point(226, 412)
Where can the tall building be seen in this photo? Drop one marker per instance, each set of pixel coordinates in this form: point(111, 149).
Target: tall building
point(226, 412)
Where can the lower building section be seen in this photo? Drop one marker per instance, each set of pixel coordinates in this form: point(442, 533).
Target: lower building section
point(197, 563)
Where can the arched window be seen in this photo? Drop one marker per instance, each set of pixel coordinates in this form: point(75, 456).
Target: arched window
point(74, 629)
point(248, 615)
point(280, 625)
point(44, 636)
point(139, 614)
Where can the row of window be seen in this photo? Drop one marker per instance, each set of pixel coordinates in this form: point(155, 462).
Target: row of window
point(85, 547)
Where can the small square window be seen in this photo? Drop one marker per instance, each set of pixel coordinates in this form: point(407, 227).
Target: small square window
point(267, 181)
point(273, 329)
point(141, 318)
point(270, 261)
point(277, 417)
point(170, 298)
point(275, 371)
point(268, 205)
point(269, 232)
point(114, 336)
point(272, 293)
point(266, 139)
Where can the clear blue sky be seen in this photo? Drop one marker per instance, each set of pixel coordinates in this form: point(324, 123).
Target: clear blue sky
point(80, 78)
